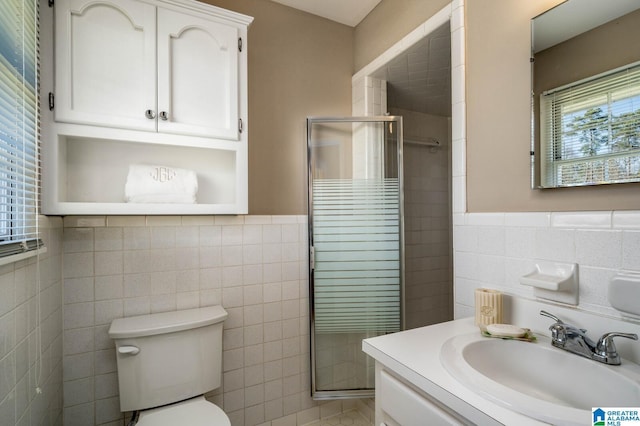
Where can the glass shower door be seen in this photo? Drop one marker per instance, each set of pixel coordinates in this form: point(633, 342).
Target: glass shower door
point(356, 256)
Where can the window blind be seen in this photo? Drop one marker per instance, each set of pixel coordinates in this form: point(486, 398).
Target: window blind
point(591, 130)
point(19, 126)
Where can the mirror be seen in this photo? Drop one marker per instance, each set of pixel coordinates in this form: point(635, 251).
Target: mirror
point(586, 94)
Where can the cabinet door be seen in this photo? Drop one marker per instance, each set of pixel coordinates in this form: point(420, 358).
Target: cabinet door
point(197, 76)
point(105, 63)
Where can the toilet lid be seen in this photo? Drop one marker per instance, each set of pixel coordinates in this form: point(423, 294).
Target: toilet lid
point(193, 412)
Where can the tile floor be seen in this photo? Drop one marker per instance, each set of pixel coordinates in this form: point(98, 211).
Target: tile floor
point(351, 418)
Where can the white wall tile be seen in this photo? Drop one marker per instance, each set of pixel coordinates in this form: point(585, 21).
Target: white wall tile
point(491, 240)
point(152, 221)
point(599, 248)
point(519, 242)
point(108, 310)
point(106, 239)
point(79, 340)
point(210, 235)
point(108, 263)
point(84, 221)
point(187, 236)
point(77, 315)
point(581, 219)
point(107, 287)
point(250, 265)
point(631, 250)
point(79, 415)
point(626, 219)
point(555, 244)
point(78, 265)
point(527, 219)
point(78, 290)
point(136, 238)
point(78, 240)
point(78, 391)
point(137, 306)
point(162, 237)
point(197, 220)
point(485, 219)
point(167, 302)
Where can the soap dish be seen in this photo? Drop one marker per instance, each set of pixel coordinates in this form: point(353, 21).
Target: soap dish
point(509, 332)
point(554, 281)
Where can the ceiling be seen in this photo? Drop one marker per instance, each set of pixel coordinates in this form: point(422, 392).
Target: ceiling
point(417, 80)
point(420, 78)
point(348, 12)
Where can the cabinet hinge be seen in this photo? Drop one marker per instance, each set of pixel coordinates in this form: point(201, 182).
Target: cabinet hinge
point(239, 44)
point(240, 125)
point(52, 102)
point(51, 3)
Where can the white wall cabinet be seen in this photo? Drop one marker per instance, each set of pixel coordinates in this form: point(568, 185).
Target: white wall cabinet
point(145, 81)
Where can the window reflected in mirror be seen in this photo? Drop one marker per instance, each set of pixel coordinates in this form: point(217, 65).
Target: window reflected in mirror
point(586, 94)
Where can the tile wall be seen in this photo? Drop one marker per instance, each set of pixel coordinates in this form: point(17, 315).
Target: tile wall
point(31, 344)
point(494, 250)
point(428, 251)
point(254, 266)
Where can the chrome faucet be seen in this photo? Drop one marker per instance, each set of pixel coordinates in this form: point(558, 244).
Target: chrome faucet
point(575, 340)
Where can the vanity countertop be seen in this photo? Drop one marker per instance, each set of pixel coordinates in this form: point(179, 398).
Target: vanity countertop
point(415, 356)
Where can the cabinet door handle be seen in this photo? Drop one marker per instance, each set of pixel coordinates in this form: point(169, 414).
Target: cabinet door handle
point(150, 114)
point(164, 115)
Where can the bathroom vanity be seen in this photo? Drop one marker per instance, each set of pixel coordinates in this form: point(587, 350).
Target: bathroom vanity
point(414, 387)
point(160, 83)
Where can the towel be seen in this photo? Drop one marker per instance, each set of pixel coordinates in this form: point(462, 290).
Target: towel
point(160, 184)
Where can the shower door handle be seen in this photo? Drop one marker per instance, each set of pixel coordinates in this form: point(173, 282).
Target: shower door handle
point(312, 257)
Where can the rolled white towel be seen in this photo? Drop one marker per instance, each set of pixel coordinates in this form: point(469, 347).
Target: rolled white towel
point(160, 184)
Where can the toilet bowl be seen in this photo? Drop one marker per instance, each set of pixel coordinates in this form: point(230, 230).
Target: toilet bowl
point(167, 362)
point(193, 412)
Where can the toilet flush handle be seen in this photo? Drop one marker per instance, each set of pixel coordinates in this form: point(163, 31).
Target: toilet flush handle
point(128, 350)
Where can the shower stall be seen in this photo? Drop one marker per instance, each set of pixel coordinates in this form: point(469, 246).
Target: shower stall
point(356, 256)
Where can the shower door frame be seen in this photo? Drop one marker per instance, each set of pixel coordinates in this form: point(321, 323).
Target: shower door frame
point(356, 393)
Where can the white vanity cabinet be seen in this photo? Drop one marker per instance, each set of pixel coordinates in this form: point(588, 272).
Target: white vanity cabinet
point(400, 404)
point(158, 82)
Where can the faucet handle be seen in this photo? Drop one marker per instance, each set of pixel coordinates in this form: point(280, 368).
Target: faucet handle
point(553, 317)
point(606, 348)
point(558, 334)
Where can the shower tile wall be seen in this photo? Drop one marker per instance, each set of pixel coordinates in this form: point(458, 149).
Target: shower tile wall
point(255, 266)
point(428, 249)
point(23, 365)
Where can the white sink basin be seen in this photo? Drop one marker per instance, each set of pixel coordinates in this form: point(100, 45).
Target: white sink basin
point(538, 380)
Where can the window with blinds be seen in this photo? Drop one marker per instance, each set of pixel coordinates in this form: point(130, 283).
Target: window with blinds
point(18, 126)
point(590, 130)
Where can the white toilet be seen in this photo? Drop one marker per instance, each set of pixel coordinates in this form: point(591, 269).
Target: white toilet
point(166, 362)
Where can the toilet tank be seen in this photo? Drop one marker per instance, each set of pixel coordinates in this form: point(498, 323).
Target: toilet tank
point(168, 357)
